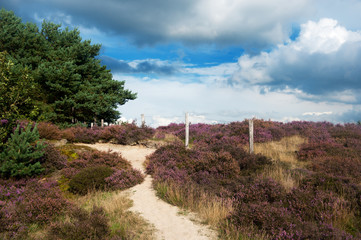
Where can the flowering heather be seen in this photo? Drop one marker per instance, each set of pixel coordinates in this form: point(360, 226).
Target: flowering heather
point(27, 202)
point(126, 134)
point(52, 159)
point(94, 158)
point(84, 172)
point(326, 204)
point(86, 135)
point(124, 178)
point(110, 159)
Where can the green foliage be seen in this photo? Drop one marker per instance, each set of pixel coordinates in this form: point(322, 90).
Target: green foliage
point(71, 82)
point(21, 155)
point(91, 178)
point(16, 89)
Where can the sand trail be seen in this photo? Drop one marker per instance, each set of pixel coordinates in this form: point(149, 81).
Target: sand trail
point(167, 220)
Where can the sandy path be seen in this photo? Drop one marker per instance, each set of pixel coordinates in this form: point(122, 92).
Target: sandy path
point(166, 219)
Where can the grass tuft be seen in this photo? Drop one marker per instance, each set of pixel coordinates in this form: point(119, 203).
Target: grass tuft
point(123, 223)
point(210, 209)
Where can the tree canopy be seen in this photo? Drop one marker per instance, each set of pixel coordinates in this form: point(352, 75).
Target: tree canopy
point(63, 79)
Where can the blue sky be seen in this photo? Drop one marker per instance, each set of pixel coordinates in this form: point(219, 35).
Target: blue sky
point(222, 60)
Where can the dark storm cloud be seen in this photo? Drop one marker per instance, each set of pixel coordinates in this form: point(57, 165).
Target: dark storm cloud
point(320, 73)
point(189, 21)
point(144, 66)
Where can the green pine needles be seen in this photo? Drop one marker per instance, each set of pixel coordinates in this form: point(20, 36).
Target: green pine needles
point(22, 153)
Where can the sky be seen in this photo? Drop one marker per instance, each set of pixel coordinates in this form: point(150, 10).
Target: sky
point(222, 60)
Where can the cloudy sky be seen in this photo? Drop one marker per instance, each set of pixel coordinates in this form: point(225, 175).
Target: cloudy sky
point(222, 60)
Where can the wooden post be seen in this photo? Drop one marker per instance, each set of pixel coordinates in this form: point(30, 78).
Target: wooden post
point(91, 125)
point(102, 123)
point(143, 120)
point(187, 131)
point(251, 136)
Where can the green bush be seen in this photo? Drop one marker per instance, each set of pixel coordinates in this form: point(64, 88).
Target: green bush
point(92, 178)
point(21, 154)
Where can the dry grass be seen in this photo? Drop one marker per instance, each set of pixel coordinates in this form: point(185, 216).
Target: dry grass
point(123, 222)
point(231, 232)
point(283, 151)
point(283, 154)
point(282, 176)
point(343, 216)
point(211, 210)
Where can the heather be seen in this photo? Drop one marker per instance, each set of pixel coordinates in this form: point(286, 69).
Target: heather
point(312, 192)
point(27, 202)
point(125, 134)
point(43, 205)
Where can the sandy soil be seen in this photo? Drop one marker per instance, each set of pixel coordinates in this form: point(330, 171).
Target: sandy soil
point(167, 219)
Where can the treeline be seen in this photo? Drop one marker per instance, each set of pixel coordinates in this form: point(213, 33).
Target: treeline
point(51, 74)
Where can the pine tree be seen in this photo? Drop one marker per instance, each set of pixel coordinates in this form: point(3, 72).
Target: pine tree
point(22, 152)
point(71, 82)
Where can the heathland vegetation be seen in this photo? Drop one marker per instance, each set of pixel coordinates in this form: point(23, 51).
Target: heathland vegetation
point(68, 191)
point(304, 182)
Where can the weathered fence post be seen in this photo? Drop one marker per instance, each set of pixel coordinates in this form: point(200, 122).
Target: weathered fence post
point(251, 135)
point(187, 131)
point(143, 120)
point(102, 123)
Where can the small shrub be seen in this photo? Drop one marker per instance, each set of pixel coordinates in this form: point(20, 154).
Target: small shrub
point(68, 134)
point(274, 219)
point(82, 225)
point(86, 135)
point(21, 155)
point(126, 134)
point(338, 167)
point(49, 131)
point(122, 179)
point(260, 190)
point(115, 133)
point(53, 159)
point(91, 178)
point(111, 159)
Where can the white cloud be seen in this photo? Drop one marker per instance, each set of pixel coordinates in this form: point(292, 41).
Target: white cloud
point(163, 121)
point(164, 101)
point(234, 21)
point(316, 113)
point(325, 36)
point(224, 69)
point(322, 63)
